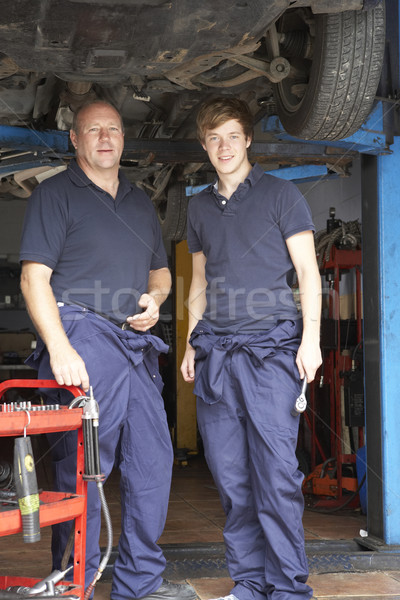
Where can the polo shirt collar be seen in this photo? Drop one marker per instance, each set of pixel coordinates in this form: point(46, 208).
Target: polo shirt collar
point(252, 178)
point(79, 178)
point(255, 175)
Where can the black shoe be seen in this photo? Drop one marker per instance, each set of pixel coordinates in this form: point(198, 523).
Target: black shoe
point(172, 591)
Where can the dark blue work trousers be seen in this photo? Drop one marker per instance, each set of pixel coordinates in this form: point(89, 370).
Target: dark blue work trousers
point(246, 387)
point(133, 435)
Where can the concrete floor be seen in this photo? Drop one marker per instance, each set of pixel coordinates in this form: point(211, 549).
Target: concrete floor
point(195, 519)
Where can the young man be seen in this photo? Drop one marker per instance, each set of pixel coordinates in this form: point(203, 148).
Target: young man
point(94, 274)
point(248, 350)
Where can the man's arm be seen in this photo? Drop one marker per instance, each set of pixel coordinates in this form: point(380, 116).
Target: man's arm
point(302, 252)
point(67, 366)
point(158, 289)
point(196, 307)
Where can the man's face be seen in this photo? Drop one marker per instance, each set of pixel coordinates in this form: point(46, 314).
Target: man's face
point(226, 147)
point(99, 139)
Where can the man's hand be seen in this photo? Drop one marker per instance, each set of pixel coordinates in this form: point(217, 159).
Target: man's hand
point(149, 317)
point(68, 367)
point(187, 367)
point(308, 360)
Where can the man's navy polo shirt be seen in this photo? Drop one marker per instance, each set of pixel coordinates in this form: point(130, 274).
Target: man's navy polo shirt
point(248, 269)
point(99, 249)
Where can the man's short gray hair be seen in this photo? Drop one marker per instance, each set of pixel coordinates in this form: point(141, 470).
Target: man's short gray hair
point(75, 120)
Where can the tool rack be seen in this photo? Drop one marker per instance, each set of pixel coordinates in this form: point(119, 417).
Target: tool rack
point(335, 364)
point(55, 507)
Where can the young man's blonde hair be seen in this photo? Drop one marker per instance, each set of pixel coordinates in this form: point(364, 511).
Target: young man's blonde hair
point(216, 111)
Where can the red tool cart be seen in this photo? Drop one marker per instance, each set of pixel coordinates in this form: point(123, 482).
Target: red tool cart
point(55, 507)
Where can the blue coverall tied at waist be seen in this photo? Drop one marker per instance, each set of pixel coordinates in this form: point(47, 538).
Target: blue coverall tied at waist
point(123, 370)
point(246, 386)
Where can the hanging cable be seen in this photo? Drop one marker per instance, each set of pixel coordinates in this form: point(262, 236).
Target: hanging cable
point(92, 471)
point(346, 235)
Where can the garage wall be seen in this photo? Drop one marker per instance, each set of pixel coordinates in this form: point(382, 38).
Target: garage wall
point(343, 193)
point(12, 215)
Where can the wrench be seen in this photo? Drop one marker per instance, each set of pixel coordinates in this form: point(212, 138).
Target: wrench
point(301, 402)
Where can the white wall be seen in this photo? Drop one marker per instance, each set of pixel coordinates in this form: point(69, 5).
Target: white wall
point(343, 193)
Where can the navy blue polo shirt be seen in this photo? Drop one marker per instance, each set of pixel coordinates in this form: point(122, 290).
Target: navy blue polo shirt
point(99, 249)
point(248, 269)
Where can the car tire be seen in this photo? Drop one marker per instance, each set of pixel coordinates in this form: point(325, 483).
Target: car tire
point(338, 86)
point(174, 222)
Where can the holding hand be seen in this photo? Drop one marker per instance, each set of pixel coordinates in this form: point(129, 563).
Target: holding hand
point(308, 359)
point(68, 367)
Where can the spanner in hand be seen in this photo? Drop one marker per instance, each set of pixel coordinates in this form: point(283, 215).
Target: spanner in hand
point(301, 402)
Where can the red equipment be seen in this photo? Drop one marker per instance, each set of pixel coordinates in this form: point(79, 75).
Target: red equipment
point(331, 478)
point(55, 507)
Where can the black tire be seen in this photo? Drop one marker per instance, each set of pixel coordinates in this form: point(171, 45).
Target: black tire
point(174, 223)
point(340, 82)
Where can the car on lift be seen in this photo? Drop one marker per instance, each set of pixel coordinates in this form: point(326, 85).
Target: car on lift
point(315, 64)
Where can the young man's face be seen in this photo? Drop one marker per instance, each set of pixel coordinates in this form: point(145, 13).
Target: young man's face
point(226, 147)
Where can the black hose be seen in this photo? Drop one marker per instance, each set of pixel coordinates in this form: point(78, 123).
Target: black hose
point(92, 472)
point(107, 554)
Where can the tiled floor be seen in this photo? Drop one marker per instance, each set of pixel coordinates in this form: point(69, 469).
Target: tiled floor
point(195, 517)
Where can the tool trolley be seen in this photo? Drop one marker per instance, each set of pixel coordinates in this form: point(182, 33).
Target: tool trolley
point(55, 507)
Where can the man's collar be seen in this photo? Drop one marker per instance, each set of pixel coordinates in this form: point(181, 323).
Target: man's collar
point(79, 177)
point(255, 174)
point(252, 178)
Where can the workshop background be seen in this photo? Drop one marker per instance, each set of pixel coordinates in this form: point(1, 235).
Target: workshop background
point(349, 433)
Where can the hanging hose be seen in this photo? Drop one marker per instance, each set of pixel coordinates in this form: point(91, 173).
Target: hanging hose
point(107, 554)
point(90, 427)
point(346, 235)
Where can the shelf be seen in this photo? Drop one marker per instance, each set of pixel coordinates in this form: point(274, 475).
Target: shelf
point(343, 259)
point(46, 421)
point(55, 507)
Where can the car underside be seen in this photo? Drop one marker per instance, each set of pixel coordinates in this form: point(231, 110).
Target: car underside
point(312, 63)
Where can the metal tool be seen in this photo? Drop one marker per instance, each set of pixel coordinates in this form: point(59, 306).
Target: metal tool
point(26, 487)
point(90, 426)
point(301, 402)
point(92, 471)
point(24, 406)
point(46, 587)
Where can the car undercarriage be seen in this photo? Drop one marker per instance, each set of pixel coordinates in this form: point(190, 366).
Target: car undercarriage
point(312, 63)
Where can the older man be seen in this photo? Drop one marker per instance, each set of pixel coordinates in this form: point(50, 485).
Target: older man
point(94, 274)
